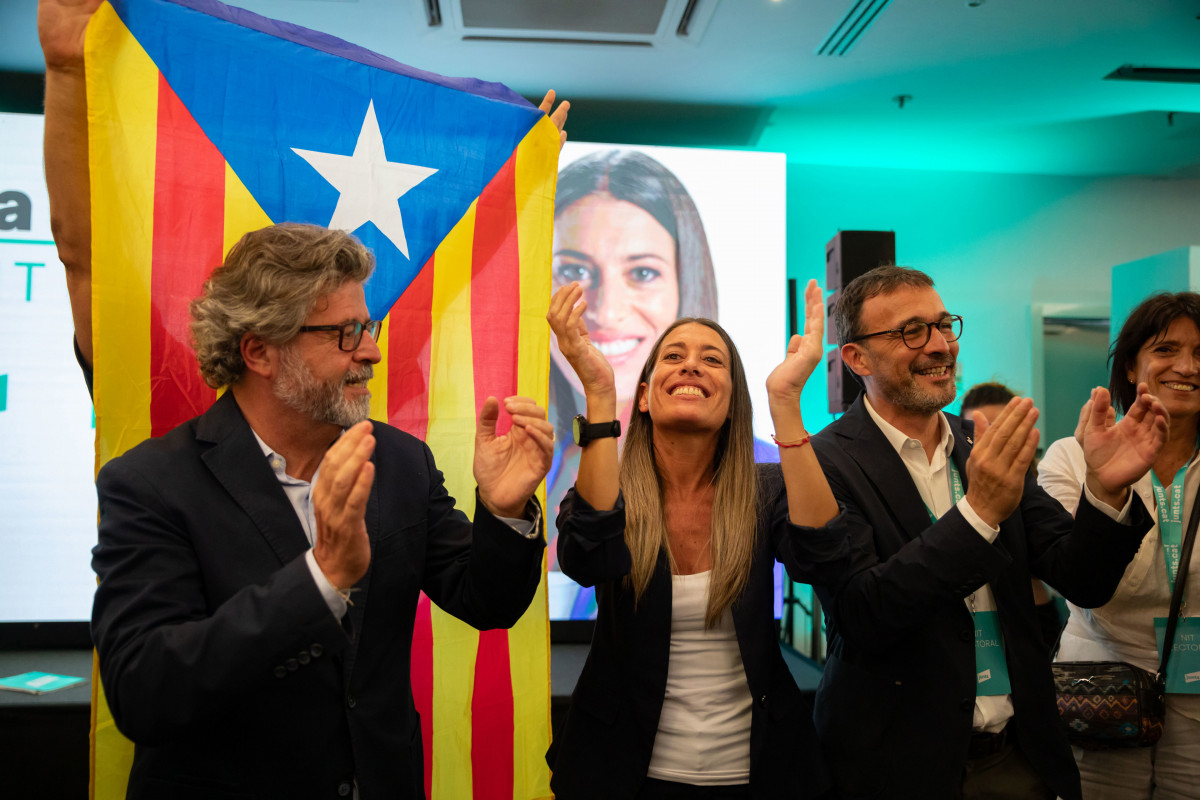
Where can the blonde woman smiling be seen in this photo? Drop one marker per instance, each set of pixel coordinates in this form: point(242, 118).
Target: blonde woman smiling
point(685, 693)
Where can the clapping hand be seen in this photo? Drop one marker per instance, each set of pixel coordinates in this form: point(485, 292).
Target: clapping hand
point(508, 468)
point(1118, 453)
point(570, 332)
point(804, 353)
point(342, 548)
point(1002, 454)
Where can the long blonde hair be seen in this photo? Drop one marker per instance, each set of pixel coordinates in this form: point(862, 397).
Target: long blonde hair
point(735, 502)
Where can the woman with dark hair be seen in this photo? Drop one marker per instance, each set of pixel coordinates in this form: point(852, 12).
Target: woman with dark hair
point(627, 231)
point(685, 693)
point(1159, 345)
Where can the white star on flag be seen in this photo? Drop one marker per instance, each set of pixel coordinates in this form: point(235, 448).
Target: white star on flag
point(370, 185)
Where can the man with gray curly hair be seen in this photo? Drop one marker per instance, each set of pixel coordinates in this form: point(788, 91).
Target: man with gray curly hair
point(229, 548)
point(269, 282)
point(260, 565)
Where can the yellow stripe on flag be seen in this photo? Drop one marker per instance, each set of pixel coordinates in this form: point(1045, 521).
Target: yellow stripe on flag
point(122, 87)
point(529, 639)
point(378, 385)
point(242, 212)
point(452, 436)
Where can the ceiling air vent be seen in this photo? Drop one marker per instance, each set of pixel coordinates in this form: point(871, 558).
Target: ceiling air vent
point(851, 27)
point(644, 23)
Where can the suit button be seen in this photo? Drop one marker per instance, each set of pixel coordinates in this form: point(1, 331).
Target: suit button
point(280, 671)
point(304, 657)
point(316, 650)
point(966, 636)
point(351, 702)
point(344, 789)
point(967, 704)
point(292, 664)
point(762, 701)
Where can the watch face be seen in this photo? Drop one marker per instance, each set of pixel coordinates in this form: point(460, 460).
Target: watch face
point(577, 428)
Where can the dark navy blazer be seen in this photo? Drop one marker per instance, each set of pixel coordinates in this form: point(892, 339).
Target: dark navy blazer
point(896, 700)
point(220, 658)
point(605, 745)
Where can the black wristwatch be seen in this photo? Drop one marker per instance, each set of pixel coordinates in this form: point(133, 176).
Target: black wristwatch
point(587, 432)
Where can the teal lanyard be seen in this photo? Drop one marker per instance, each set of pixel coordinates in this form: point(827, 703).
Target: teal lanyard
point(1170, 520)
point(991, 668)
point(956, 492)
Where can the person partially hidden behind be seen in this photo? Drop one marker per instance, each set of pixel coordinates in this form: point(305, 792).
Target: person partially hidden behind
point(1158, 344)
point(938, 684)
point(990, 399)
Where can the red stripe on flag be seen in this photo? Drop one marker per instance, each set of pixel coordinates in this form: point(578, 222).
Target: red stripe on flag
point(410, 324)
point(421, 668)
point(189, 220)
point(495, 306)
point(492, 719)
point(496, 288)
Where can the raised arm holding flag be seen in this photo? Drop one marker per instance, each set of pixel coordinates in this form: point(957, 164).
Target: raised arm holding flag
point(263, 575)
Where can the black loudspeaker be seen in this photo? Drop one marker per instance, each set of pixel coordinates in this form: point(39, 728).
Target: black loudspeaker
point(843, 388)
point(848, 255)
point(852, 253)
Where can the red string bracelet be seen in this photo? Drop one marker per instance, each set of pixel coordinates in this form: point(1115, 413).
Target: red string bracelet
point(797, 443)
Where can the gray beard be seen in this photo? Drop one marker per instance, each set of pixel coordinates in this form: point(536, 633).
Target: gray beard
point(325, 402)
point(911, 397)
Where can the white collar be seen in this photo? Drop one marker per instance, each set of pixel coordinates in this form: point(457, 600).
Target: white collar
point(898, 438)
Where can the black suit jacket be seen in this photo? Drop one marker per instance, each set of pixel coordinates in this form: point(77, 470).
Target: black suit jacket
point(603, 750)
point(219, 657)
point(896, 701)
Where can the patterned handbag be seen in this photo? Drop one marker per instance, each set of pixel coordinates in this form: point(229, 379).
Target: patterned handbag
point(1109, 704)
point(1112, 704)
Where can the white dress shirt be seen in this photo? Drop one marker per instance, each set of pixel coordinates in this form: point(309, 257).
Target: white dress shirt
point(932, 477)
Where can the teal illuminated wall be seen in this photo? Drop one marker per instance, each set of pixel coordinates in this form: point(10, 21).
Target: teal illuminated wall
point(994, 243)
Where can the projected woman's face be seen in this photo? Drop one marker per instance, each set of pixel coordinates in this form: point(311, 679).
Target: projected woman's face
point(625, 262)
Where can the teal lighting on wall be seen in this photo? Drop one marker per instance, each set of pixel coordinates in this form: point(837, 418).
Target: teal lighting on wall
point(1173, 271)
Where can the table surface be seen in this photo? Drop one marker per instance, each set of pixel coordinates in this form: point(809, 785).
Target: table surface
point(76, 663)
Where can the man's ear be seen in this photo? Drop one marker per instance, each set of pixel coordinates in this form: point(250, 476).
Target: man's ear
point(261, 358)
point(643, 397)
point(856, 359)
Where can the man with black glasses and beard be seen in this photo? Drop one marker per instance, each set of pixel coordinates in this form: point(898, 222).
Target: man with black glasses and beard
point(260, 565)
point(938, 684)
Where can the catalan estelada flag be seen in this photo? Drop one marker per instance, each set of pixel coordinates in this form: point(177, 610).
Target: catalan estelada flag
point(205, 122)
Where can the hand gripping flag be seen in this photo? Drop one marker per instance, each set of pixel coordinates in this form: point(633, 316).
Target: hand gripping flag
point(205, 122)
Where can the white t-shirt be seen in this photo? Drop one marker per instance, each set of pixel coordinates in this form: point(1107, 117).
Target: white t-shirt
point(704, 728)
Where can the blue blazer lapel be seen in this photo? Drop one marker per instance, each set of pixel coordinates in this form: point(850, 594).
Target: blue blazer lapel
point(237, 461)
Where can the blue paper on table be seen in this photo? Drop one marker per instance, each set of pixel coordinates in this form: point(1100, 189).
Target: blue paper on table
point(37, 682)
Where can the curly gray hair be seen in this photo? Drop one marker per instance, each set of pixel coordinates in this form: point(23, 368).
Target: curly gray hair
point(268, 284)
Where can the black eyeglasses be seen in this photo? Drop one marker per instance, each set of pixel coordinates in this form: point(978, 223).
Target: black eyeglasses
point(349, 333)
point(915, 335)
